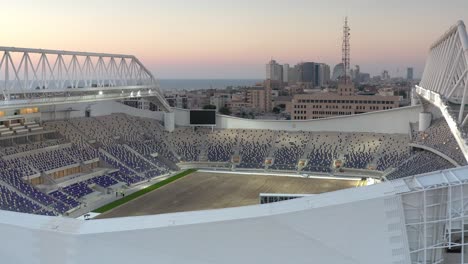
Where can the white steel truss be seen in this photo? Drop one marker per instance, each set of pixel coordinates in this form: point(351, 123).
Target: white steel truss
point(435, 214)
point(446, 69)
point(32, 73)
point(445, 80)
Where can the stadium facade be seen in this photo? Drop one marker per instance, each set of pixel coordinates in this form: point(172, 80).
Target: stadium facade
point(415, 215)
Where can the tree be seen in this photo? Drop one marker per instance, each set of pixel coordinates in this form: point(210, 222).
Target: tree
point(210, 106)
point(225, 110)
point(276, 110)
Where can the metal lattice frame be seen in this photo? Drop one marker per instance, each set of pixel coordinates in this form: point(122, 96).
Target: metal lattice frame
point(435, 214)
point(446, 70)
point(31, 71)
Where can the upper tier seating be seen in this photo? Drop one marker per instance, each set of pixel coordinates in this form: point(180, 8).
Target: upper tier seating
point(439, 137)
point(31, 146)
point(121, 126)
point(68, 130)
point(94, 129)
point(421, 162)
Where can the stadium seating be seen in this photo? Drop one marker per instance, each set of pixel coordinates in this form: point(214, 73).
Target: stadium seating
point(393, 151)
point(421, 162)
point(82, 154)
point(104, 181)
point(220, 145)
point(253, 155)
point(65, 198)
point(254, 146)
point(125, 128)
point(148, 147)
point(78, 190)
point(93, 129)
point(12, 201)
point(130, 159)
point(11, 176)
point(187, 143)
point(69, 131)
point(439, 137)
point(126, 176)
point(32, 146)
point(289, 149)
point(48, 160)
point(139, 149)
point(323, 150)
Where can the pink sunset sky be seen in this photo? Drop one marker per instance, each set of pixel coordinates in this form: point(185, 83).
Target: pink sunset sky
point(234, 39)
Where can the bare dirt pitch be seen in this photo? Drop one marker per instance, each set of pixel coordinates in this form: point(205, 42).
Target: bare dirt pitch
point(201, 190)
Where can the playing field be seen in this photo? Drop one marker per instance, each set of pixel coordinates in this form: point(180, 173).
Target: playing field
point(201, 190)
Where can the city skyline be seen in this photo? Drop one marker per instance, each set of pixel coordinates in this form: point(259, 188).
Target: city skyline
point(234, 39)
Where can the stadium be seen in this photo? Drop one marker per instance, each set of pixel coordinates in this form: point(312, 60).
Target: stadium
point(87, 178)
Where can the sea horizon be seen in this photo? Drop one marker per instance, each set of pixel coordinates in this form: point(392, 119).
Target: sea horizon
point(197, 84)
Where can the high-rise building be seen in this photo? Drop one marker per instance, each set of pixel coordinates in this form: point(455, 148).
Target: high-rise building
point(409, 73)
point(326, 73)
point(310, 74)
point(293, 74)
point(274, 71)
point(322, 74)
point(286, 73)
point(307, 72)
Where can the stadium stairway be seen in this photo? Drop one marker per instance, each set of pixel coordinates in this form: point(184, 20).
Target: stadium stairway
point(274, 147)
point(150, 133)
point(48, 181)
point(108, 155)
point(203, 157)
point(168, 163)
point(377, 156)
point(139, 155)
point(308, 149)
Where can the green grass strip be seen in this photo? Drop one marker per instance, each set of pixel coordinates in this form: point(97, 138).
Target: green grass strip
point(141, 192)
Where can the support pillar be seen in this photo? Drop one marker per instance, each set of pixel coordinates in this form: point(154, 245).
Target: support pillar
point(424, 120)
point(169, 121)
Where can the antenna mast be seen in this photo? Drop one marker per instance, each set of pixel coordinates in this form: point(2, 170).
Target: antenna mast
point(346, 50)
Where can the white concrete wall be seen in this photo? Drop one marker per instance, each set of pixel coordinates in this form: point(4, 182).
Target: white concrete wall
point(389, 121)
point(326, 228)
point(97, 109)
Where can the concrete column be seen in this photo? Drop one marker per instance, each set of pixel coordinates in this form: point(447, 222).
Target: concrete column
point(169, 121)
point(424, 120)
